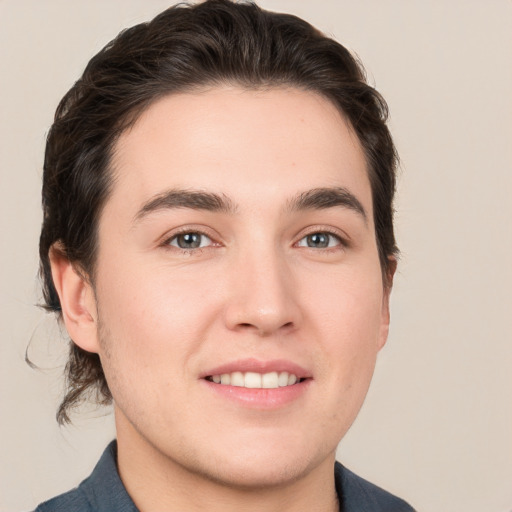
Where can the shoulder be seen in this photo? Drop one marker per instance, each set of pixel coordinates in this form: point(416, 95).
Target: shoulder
point(102, 491)
point(73, 500)
point(358, 495)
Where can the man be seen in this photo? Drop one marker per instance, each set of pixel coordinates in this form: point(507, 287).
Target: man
point(218, 241)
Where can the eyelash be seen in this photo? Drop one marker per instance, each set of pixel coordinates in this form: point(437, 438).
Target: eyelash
point(167, 242)
point(342, 242)
point(328, 235)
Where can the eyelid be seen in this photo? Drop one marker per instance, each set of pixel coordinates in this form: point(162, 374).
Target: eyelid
point(202, 236)
point(333, 241)
point(343, 238)
point(166, 239)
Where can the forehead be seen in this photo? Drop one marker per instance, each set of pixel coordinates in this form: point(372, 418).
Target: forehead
point(253, 146)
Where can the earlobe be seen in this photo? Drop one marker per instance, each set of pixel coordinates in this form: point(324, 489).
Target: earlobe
point(385, 315)
point(77, 301)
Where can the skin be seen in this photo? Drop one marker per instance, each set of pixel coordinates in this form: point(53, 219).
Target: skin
point(160, 316)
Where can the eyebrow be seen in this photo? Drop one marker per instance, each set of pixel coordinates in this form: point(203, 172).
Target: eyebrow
point(315, 199)
point(327, 197)
point(182, 198)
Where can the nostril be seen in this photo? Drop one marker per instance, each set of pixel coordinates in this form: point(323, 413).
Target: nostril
point(248, 325)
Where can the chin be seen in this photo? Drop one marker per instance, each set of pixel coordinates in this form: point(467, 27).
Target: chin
point(258, 465)
point(257, 474)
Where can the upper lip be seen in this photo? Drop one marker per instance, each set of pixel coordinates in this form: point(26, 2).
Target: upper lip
point(258, 366)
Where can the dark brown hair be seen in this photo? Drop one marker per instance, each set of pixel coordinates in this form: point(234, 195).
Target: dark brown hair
point(183, 48)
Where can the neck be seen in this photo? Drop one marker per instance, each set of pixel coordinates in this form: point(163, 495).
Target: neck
point(155, 482)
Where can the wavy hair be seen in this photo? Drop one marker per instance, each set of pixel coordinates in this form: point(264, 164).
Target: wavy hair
point(184, 48)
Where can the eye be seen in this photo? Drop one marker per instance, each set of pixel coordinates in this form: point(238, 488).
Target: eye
point(190, 240)
point(319, 240)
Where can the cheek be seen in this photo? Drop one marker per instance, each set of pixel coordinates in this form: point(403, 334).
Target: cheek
point(349, 307)
point(151, 324)
point(348, 316)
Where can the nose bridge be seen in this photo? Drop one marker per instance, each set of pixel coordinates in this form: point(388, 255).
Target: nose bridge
point(263, 298)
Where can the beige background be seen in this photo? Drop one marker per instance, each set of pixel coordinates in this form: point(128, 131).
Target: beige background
point(437, 424)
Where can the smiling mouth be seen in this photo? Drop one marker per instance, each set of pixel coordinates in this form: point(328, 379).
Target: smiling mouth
point(254, 380)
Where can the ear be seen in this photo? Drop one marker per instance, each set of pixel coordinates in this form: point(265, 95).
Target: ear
point(77, 301)
point(388, 285)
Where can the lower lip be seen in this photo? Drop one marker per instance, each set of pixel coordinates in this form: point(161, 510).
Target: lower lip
point(272, 398)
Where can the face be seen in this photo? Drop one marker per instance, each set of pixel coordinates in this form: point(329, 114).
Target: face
point(238, 293)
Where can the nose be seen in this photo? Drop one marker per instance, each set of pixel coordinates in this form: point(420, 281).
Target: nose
point(263, 297)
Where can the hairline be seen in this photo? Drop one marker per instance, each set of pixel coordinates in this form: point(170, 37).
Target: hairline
point(132, 116)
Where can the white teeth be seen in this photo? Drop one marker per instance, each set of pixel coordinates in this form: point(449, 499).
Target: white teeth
point(270, 380)
point(252, 380)
point(283, 379)
point(255, 380)
point(237, 379)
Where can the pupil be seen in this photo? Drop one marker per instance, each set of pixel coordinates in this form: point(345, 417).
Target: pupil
point(318, 240)
point(189, 240)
